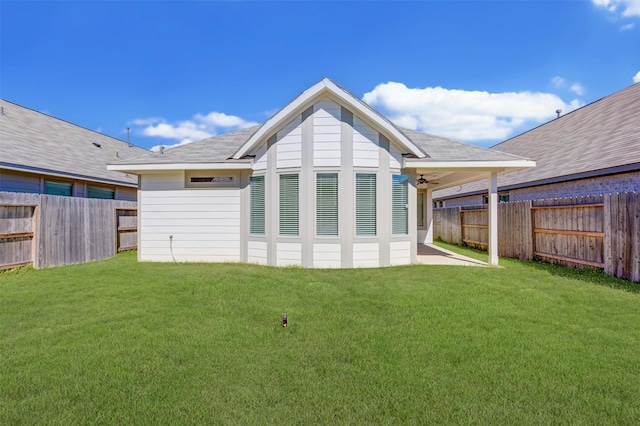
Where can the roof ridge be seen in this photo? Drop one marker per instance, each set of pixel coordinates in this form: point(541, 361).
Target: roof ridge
point(566, 115)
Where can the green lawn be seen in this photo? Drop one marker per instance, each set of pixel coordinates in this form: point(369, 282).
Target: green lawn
point(121, 342)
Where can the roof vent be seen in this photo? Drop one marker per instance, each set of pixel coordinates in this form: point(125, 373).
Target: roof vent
point(558, 111)
point(161, 149)
point(97, 145)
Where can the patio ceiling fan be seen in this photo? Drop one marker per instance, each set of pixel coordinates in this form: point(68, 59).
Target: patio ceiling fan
point(421, 181)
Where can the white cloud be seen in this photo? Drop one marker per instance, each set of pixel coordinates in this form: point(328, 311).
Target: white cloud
point(629, 8)
point(464, 115)
point(578, 89)
point(201, 126)
point(558, 81)
point(627, 26)
point(636, 78)
point(562, 83)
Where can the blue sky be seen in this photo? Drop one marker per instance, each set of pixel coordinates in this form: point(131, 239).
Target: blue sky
point(475, 71)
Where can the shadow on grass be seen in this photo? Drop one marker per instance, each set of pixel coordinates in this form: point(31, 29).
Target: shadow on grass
point(586, 274)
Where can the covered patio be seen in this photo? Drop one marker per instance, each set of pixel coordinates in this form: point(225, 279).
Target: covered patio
point(447, 166)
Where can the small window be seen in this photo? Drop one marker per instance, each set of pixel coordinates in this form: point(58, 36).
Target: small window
point(327, 204)
point(101, 192)
point(289, 214)
point(502, 198)
point(58, 188)
point(212, 179)
point(256, 184)
point(438, 204)
point(365, 204)
point(399, 205)
point(200, 179)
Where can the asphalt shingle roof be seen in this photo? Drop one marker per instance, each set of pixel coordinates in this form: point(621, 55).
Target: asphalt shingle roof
point(220, 148)
point(601, 135)
point(216, 149)
point(37, 142)
point(441, 149)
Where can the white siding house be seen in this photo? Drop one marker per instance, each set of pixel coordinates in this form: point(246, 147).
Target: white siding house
point(327, 182)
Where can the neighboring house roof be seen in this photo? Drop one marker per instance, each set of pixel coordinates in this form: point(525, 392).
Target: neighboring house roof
point(31, 141)
point(600, 138)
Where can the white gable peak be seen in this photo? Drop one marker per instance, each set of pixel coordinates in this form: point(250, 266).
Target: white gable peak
point(327, 88)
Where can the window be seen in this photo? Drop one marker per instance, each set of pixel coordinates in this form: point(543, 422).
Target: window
point(101, 192)
point(399, 201)
point(327, 204)
point(502, 198)
point(256, 186)
point(289, 204)
point(420, 209)
point(209, 179)
point(58, 188)
point(365, 204)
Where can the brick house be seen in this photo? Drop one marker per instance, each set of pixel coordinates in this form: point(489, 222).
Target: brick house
point(46, 155)
point(592, 150)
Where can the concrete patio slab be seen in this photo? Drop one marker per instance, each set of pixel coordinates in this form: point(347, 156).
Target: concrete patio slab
point(430, 254)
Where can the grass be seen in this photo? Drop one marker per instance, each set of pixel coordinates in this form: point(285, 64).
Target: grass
point(121, 342)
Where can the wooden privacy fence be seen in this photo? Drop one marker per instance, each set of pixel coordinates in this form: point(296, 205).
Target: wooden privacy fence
point(49, 230)
point(600, 231)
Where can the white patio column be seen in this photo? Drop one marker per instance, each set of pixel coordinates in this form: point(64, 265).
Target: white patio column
point(429, 216)
point(493, 219)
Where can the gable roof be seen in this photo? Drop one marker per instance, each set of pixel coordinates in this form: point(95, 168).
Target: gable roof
point(34, 142)
point(229, 150)
point(328, 88)
point(600, 138)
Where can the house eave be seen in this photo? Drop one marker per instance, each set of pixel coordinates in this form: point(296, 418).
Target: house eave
point(141, 168)
point(627, 168)
point(59, 174)
point(500, 166)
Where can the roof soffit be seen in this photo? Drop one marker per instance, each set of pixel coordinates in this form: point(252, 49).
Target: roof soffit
point(329, 89)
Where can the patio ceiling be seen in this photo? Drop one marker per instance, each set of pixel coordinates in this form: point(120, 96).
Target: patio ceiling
point(443, 174)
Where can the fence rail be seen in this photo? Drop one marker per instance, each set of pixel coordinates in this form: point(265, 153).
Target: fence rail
point(48, 230)
point(598, 231)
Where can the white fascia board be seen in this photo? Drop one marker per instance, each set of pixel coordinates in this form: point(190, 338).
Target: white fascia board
point(269, 125)
point(306, 99)
point(135, 168)
point(374, 117)
point(496, 165)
